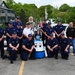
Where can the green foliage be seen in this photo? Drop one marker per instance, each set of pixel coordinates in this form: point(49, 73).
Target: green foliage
point(65, 12)
point(64, 7)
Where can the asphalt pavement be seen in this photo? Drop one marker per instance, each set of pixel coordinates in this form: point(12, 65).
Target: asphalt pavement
point(45, 66)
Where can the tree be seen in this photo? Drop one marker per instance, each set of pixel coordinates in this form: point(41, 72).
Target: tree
point(22, 17)
point(64, 7)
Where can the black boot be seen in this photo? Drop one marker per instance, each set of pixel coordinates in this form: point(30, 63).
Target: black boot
point(56, 56)
point(11, 62)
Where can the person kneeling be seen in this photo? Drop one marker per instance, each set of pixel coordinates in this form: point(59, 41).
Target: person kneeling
point(13, 47)
point(28, 48)
point(52, 45)
point(64, 45)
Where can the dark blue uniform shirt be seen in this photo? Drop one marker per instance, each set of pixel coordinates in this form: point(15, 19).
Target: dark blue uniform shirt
point(44, 26)
point(59, 28)
point(28, 44)
point(49, 30)
point(14, 42)
point(1, 32)
point(10, 31)
point(16, 23)
point(64, 42)
point(19, 32)
point(52, 43)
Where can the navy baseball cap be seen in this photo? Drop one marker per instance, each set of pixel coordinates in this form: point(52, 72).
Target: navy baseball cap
point(45, 19)
point(49, 23)
point(10, 23)
point(27, 23)
point(30, 35)
point(58, 21)
point(17, 17)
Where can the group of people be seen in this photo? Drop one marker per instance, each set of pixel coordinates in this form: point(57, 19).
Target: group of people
point(56, 43)
point(59, 42)
point(21, 40)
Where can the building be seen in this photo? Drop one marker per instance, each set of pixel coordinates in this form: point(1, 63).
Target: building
point(6, 14)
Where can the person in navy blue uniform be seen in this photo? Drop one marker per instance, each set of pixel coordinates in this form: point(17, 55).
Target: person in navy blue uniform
point(52, 45)
point(15, 23)
point(13, 47)
point(9, 30)
point(44, 28)
point(59, 28)
point(19, 35)
point(28, 48)
point(2, 42)
point(49, 30)
point(64, 45)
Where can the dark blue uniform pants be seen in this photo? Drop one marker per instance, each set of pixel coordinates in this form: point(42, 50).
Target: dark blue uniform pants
point(12, 54)
point(2, 48)
point(25, 54)
point(55, 52)
point(64, 54)
point(20, 47)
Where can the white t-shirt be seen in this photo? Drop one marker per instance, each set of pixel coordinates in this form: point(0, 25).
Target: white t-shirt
point(27, 31)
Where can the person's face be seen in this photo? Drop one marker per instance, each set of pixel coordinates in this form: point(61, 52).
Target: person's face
point(49, 25)
point(14, 36)
point(70, 24)
point(16, 19)
point(10, 25)
point(45, 21)
point(30, 19)
point(28, 26)
point(59, 23)
point(29, 38)
point(62, 36)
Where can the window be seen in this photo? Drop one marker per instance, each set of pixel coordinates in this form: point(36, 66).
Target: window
point(3, 19)
point(3, 11)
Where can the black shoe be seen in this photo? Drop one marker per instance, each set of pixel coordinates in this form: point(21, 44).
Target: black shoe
point(5, 56)
point(32, 58)
point(62, 57)
point(66, 58)
point(11, 62)
point(56, 57)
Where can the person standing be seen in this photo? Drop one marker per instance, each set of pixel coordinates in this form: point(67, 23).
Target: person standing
point(59, 28)
point(49, 30)
point(9, 30)
point(44, 26)
point(2, 42)
point(15, 23)
point(19, 36)
point(71, 35)
point(27, 30)
point(31, 21)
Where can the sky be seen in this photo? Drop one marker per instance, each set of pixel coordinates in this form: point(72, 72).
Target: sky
point(55, 3)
